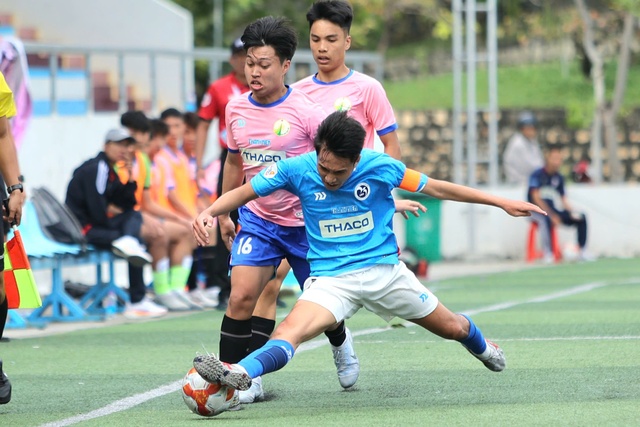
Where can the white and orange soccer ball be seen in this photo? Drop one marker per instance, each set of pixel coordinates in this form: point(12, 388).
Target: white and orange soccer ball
point(205, 398)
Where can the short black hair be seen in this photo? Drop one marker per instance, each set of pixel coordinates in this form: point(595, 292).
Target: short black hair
point(158, 128)
point(271, 31)
point(553, 147)
point(338, 12)
point(341, 135)
point(135, 120)
point(171, 112)
point(191, 119)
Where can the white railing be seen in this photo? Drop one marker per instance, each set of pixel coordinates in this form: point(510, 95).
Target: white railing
point(367, 62)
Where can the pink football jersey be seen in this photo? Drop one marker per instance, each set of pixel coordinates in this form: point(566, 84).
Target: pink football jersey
point(266, 133)
point(361, 95)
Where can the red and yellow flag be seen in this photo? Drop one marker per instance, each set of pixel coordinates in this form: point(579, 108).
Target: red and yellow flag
point(19, 282)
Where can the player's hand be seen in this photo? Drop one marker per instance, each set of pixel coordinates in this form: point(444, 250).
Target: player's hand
point(227, 230)
point(405, 206)
point(13, 208)
point(520, 208)
point(200, 225)
point(114, 210)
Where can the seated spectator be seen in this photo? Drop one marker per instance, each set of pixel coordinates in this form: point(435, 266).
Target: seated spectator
point(162, 191)
point(171, 259)
point(105, 208)
point(206, 186)
point(137, 123)
point(522, 154)
point(183, 200)
point(546, 189)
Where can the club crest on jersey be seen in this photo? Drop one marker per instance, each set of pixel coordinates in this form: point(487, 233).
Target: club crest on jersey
point(362, 191)
point(271, 171)
point(342, 104)
point(281, 127)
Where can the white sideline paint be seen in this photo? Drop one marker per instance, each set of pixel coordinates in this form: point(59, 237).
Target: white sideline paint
point(526, 339)
point(119, 405)
point(130, 402)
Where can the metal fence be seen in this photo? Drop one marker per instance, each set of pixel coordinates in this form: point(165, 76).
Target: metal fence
point(370, 63)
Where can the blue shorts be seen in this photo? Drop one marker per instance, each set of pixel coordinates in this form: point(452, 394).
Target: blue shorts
point(262, 243)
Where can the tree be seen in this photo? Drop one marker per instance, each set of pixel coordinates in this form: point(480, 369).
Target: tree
point(605, 114)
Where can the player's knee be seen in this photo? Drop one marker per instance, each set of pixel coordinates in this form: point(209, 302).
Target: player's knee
point(242, 301)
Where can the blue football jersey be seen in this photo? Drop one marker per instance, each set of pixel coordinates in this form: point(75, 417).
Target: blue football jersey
point(349, 228)
point(551, 187)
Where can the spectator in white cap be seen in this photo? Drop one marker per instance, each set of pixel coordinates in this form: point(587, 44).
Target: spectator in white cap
point(522, 154)
point(105, 208)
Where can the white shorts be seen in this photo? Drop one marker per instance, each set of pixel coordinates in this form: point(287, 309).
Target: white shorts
point(386, 290)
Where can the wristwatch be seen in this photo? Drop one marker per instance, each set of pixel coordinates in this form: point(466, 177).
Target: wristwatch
point(15, 187)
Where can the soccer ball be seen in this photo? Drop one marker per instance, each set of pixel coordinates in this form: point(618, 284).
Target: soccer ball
point(205, 398)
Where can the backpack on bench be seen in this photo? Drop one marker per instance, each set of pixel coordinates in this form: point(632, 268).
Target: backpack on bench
point(57, 221)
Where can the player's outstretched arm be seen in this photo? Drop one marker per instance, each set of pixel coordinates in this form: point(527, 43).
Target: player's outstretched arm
point(448, 191)
point(223, 205)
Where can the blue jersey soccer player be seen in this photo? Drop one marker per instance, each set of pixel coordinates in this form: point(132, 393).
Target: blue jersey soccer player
point(271, 122)
point(346, 199)
point(336, 86)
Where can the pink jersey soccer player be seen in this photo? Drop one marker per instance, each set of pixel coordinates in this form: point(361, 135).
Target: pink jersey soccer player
point(271, 123)
point(262, 134)
point(338, 88)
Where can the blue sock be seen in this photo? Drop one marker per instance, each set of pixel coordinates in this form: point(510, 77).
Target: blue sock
point(475, 340)
point(268, 358)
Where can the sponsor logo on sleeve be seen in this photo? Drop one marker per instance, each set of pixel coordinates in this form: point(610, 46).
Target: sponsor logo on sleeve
point(271, 171)
point(349, 226)
point(206, 100)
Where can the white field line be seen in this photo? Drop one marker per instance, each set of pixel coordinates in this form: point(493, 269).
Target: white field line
point(119, 405)
point(131, 401)
point(524, 339)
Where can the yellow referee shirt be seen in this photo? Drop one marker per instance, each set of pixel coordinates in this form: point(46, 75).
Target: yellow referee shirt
point(7, 106)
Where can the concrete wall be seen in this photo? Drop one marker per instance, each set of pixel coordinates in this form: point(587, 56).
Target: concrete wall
point(116, 24)
point(613, 219)
point(54, 146)
point(426, 138)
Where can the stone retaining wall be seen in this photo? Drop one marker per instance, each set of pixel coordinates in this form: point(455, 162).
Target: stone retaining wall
point(426, 138)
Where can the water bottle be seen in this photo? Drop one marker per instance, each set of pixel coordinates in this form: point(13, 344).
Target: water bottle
point(110, 305)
